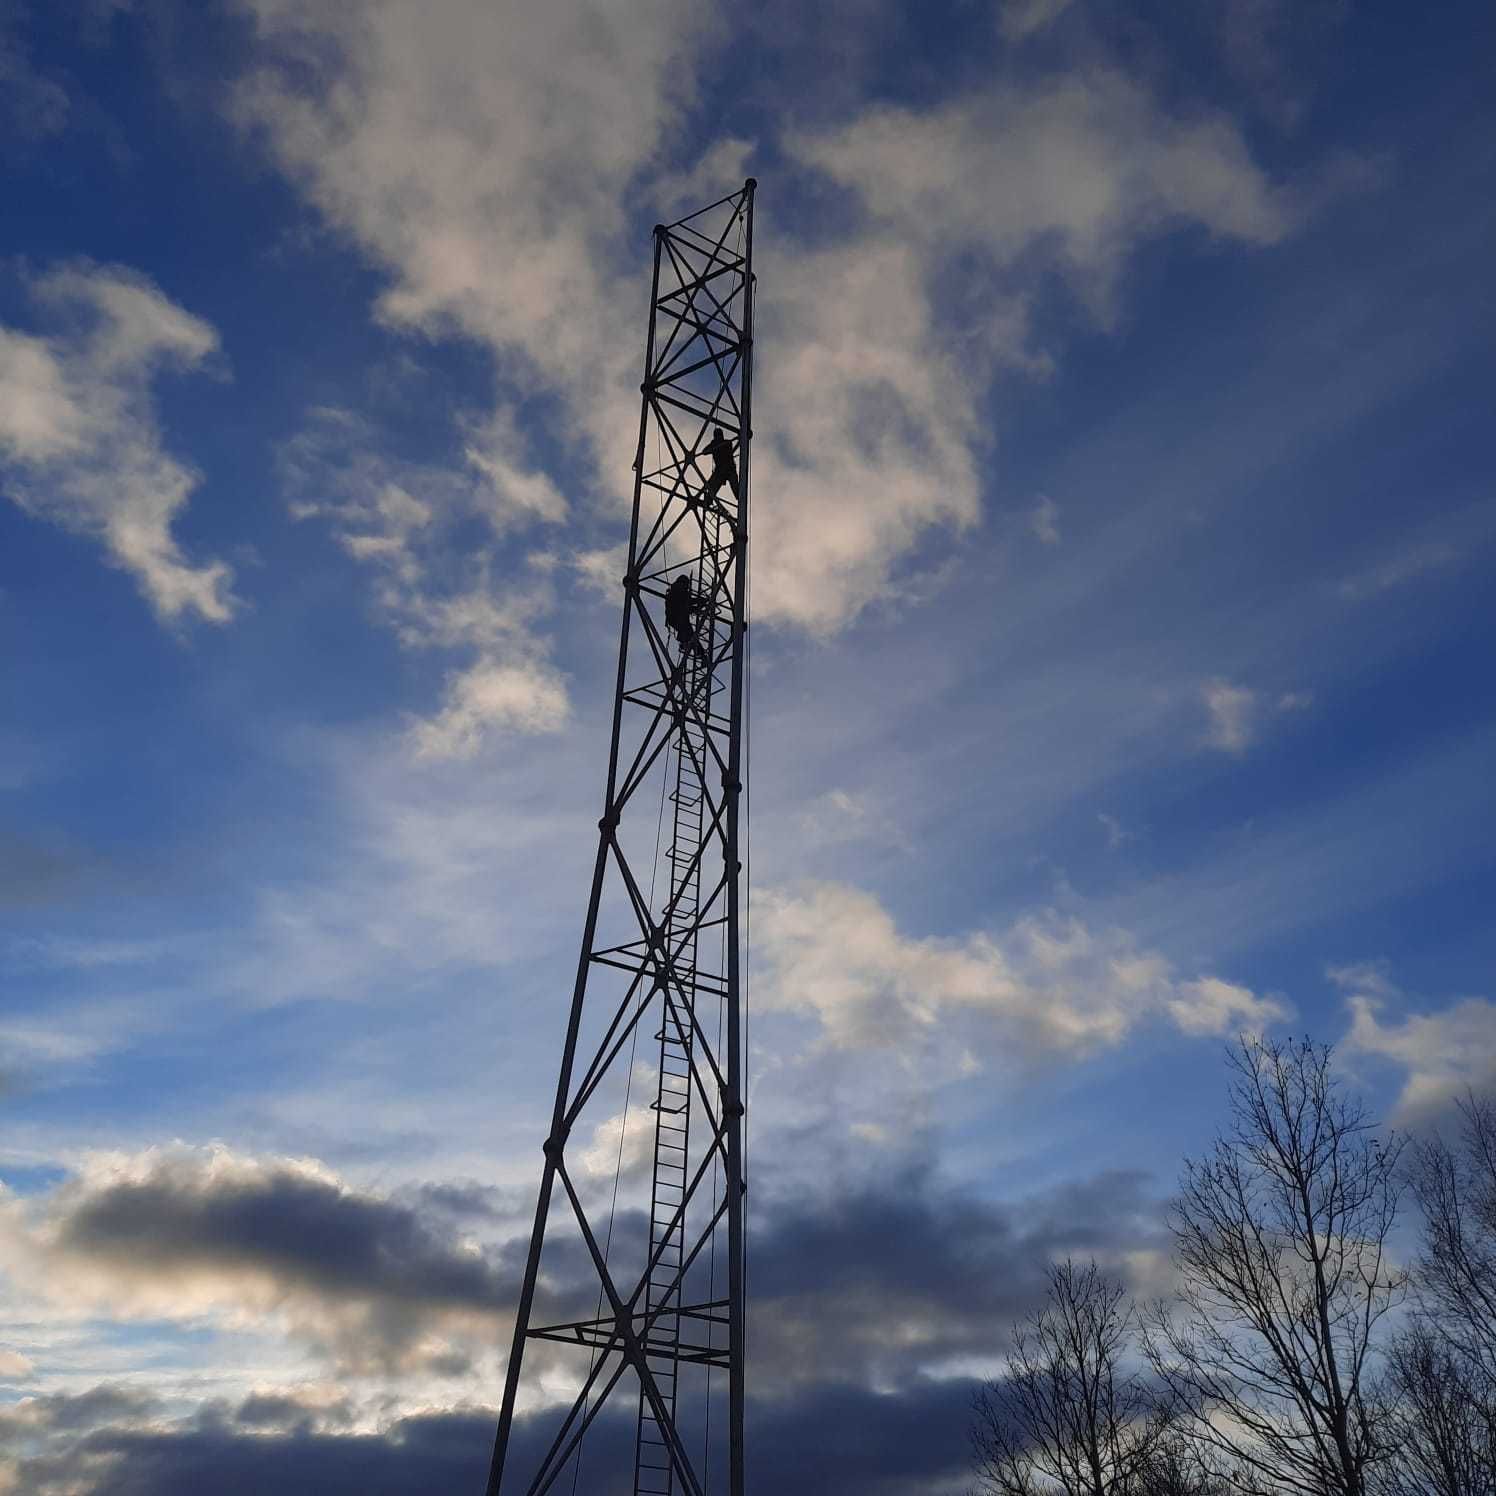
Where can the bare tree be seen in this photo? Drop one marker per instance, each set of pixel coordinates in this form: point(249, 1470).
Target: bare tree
point(1442, 1421)
point(1456, 1278)
point(1075, 1414)
point(1181, 1465)
point(1280, 1243)
point(1442, 1373)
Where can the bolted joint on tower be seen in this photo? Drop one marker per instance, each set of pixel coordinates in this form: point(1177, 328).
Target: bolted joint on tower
point(632, 1295)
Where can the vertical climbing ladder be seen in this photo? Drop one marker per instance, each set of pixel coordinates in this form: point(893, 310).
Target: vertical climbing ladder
point(653, 1470)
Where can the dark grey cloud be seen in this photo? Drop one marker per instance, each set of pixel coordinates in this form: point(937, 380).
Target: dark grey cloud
point(372, 1281)
point(884, 1280)
point(376, 1282)
point(70, 1413)
point(303, 1229)
point(851, 1296)
point(468, 1200)
point(276, 1442)
point(285, 1413)
point(840, 1438)
point(435, 1453)
point(836, 1440)
point(880, 1281)
point(899, 1283)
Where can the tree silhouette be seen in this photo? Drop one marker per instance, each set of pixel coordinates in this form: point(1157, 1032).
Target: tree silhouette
point(1075, 1414)
point(1442, 1373)
point(1456, 1189)
point(1280, 1237)
point(1441, 1418)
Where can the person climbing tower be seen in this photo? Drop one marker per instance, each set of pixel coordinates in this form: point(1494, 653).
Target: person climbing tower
point(724, 468)
point(680, 607)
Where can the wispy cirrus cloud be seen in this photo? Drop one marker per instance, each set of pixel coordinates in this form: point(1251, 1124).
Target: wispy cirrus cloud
point(32, 104)
point(1408, 565)
point(399, 520)
point(1020, 19)
point(79, 435)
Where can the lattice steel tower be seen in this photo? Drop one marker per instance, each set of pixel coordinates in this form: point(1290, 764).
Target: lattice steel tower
point(653, 1377)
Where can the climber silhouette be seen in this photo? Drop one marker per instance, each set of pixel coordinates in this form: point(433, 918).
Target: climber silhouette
point(724, 468)
point(680, 609)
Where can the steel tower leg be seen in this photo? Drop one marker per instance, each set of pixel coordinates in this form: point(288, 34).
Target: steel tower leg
point(660, 958)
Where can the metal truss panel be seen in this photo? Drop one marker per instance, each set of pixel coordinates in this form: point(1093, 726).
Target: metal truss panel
point(653, 1337)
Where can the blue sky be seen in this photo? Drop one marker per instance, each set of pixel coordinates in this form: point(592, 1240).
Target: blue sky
point(1122, 617)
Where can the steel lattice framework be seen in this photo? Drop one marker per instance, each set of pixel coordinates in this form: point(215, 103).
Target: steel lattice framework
point(656, 1004)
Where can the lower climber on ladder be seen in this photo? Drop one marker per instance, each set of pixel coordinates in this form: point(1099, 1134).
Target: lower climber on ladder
point(681, 607)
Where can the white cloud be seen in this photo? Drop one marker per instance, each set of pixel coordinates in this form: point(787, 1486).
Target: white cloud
point(1047, 987)
point(516, 489)
point(481, 155)
point(1090, 162)
point(602, 569)
point(721, 167)
point(841, 816)
point(397, 515)
point(866, 430)
point(1211, 1006)
point(399, 519)
point(623, 1147)
point(872, 424)
point(518, 696)
point(1233, 714)
point(1044, 521)
point(1445, 1052)
point(79, 431)
point(486, 161)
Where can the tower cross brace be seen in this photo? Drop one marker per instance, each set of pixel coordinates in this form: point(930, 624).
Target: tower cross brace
point(633, 1288)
